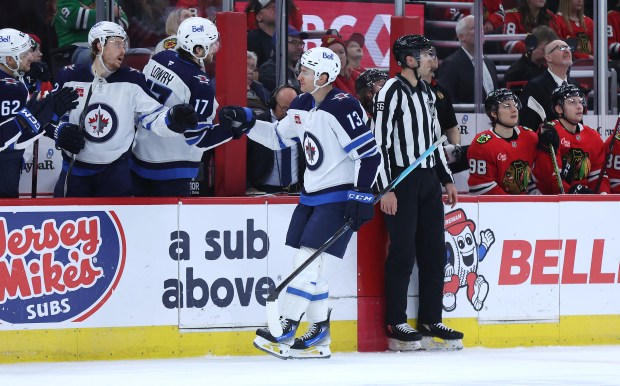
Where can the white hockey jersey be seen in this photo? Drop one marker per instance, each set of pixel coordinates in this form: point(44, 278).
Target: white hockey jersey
point(174, 80)
point(115, 103)
point(340, 150)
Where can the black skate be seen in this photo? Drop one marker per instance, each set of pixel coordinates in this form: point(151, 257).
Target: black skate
point(437, 336)
point(277, 346)
point(314, 343)
point(402, 337)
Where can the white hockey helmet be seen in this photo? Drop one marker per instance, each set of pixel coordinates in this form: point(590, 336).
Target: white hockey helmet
point(197, 31)
point(321, 60)
point(13, 43)
point(104, 30)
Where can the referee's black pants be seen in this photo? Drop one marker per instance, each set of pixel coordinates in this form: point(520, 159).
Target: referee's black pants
point(416, 231)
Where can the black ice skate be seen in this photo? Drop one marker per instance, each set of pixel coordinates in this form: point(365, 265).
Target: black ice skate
point(277, 346)
point(437, 336)
point(314, 343)
point(402, 337)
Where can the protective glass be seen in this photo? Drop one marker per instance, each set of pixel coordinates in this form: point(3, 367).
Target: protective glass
point(118, 43)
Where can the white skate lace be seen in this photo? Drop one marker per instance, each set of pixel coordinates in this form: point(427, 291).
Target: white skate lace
point(404, 327)
point(311, 331)
point(443, 327)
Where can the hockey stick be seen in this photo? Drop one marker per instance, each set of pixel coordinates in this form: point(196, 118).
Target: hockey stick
point(611, 147)
point(35, 168)
point(81, 124)
point(556, 170)
point(273, 315)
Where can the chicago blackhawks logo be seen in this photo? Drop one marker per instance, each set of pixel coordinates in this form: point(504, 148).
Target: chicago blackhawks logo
point(313, 151)
point(100, 123)
point(579, 161)
point(464, 253)
point(517, 177)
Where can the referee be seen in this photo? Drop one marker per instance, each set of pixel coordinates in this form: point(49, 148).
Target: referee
point(405, 126)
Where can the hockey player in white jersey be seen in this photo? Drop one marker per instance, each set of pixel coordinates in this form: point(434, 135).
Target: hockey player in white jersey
point(23, 120)
point(165, 166)
point(342, 162)
point(111, 97)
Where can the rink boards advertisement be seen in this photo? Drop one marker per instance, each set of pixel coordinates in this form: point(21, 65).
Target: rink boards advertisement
point(162, 277)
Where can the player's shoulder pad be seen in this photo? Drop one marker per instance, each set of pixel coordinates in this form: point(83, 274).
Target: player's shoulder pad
point(302, 102)
point(74, 73)
point(128, 75)
point(483, 138)
point(338, 100)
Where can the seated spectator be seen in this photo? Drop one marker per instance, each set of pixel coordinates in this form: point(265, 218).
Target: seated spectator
point(295, 18)
point(73, 21)
point(276, 171)
point(174, 19)
point(523, 19)
point(367, 85)
point(201, 8)
point(501, 158)
point(456, 72)
point(39, 77)
point(257, 94)
point(346, 79)
point(267, 71)
point(532, 63)
point(536, 95)
point(578, 148)
point(612, 155)
point(355, 51)
point(572, 23)
point(613, 29)
point(260, 39)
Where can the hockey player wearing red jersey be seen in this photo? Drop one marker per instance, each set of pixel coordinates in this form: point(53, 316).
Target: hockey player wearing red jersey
point(612, 157)
point(501, 158)
point(523, 19)
point(579, 151)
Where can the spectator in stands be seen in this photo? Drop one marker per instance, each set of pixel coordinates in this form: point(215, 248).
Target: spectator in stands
point(260, 39)
point(502, 157)
point(174, 19)
point(532, 63)
point(613, 29)
point(578, 148)
point(367, 85)
point(254, 6)
point(612, 154)
point(572, 23)
point(355, 51)
point(295, 47)
point(147, 19)
point(522, 20)
point(536, 95)
point(73, 21)
point(39, 77)
point(201, 8)
point(257, 94)
point(456, 72)
point(492, 13)
point(346, 79)
point(276, 171)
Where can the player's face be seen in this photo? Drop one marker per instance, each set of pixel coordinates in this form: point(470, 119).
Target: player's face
point(559, 53)
point(507, 113)
point(306, 79)
point(377, 86)
point(573, 108)
point(354, 50)
point(114, 52)
point(426, 62)
point(25, 58)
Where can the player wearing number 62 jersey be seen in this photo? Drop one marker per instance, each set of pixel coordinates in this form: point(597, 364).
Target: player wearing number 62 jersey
point(165, 166)
point(501, 158)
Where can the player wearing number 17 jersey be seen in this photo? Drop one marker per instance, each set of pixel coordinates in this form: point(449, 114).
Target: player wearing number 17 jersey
point(501, 158)
point(165, 166)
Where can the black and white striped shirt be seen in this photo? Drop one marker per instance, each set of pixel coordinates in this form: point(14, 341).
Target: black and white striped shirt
point(405, 126)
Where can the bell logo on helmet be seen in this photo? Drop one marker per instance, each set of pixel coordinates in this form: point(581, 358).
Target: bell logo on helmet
point(199, 28)
point(328, 56)
point(5, 39)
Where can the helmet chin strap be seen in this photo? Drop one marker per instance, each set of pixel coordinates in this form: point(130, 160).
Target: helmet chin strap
point(16, 72)
point(317, 87)
point(100, 59)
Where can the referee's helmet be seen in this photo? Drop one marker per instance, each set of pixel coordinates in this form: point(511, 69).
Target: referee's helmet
point(410, 45)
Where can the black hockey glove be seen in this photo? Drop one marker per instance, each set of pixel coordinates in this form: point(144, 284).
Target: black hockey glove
point(580, 189)
point(39, 71)
point(548, 135)
point(237, 119)
point(359, 208)
point(36, 115)
point(65, 100)
point(70, 138)
point(182, 117)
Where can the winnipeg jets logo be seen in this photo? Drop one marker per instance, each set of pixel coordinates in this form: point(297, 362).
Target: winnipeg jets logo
point(313, 151)
point(170, 62)
point(100, 122)
point(202, 79)
point(9, 81)
point(341, 96)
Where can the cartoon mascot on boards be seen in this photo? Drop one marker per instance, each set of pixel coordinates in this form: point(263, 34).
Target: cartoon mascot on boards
point(463, 255)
